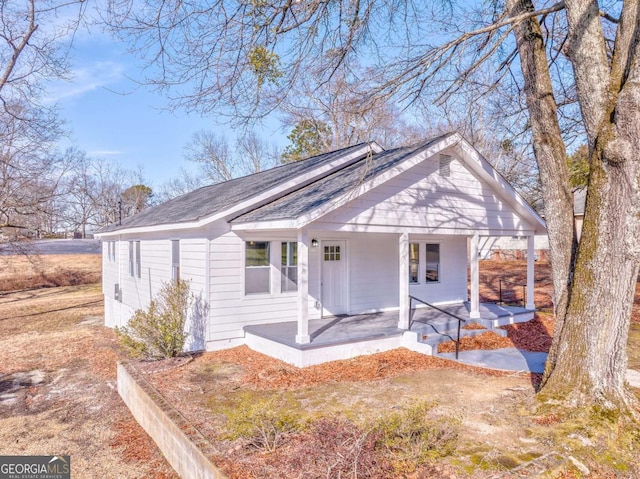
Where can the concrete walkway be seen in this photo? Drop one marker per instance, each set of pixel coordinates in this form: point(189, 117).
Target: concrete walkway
point(505, 359)
point(512, 359)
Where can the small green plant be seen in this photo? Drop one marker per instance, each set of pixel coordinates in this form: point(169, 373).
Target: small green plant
point(158, 331)
point(414, 436)
point(263, 422)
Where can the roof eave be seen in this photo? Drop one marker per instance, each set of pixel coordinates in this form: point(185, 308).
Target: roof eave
point(257, 200)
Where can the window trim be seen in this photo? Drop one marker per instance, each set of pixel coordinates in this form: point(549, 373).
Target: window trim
point(175, 260)
point(439, 263)
point(416, 262)
point(422, 262)
point(267, 266)
point(111, 251)
point(138, 259)
point(131, 260)
point(284, 268)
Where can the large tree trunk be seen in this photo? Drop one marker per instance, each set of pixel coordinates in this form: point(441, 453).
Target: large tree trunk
point(593, 290)
point(591, 347)
point(550, 153)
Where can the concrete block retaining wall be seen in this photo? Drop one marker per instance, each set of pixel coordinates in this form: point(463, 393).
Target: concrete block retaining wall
point(185, 448)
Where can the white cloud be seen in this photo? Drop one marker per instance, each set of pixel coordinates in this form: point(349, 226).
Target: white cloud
point(102, 74)
point(105, 153)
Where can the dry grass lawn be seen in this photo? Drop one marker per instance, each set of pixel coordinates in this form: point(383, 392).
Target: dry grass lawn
point(58, 374)
point(58, 394)
point(35, 271)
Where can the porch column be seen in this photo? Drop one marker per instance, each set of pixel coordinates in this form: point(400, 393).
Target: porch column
point(404, 302)
point(531, 259)
point(303, 288)
point(474, 249)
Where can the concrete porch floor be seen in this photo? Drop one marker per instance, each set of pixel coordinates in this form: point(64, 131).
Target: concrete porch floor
point(366, 327)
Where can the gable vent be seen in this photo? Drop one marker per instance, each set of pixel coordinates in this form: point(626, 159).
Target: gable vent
point(445, 165)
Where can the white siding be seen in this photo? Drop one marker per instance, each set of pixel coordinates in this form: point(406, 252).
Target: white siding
point(155, 268)
point(420, 197)
point(193, 265)
point(374, 272)
point(453, 270)
point(231, 310)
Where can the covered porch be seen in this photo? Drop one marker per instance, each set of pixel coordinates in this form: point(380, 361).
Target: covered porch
point(345, 336)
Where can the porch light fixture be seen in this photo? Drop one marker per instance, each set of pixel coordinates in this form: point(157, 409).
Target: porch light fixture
point(314, 243)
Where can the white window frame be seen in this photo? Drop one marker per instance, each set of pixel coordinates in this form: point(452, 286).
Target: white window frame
point(111, 251)
point(290, 263)
point(138, 249)
point(256, 267)
point(175, 260)
point(135, 266)
point(416, 262)
point(439, 263)
point(131, 260)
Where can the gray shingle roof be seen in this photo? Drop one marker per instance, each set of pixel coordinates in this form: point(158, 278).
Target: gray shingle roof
point(312, 196)
point(209, 200)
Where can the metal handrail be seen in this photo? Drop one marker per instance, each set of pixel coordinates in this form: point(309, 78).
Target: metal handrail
point(460, 320)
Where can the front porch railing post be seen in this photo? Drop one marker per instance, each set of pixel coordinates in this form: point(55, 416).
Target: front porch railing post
point(531, 259)
point(474, 252)
point(303, 337)
point(404, 300)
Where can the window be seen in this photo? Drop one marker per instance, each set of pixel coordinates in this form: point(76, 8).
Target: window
point(289, 266)
point(414, 262)
point(131, 259)
point(175, 260)
point(432, 262)
point(257, 269)
point(332, 253)
point(138, 265)
point(111, 251)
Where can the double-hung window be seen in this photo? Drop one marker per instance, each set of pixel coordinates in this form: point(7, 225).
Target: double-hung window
point(289, 266)
point(138, 262)
point(257, 268)
point(414, 262)
point(131, 260)
point(432, 263)
point(111, 251)
point(135, 267)
point(175, 260)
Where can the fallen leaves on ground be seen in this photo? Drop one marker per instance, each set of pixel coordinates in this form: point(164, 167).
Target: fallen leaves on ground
point(535, 335)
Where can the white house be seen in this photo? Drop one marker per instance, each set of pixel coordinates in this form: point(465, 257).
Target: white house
point(319, 259)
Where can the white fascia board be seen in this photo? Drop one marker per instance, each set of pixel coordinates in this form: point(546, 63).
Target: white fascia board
point(378, 180)
point(265, 225)
point(474, 160)
point(151, 229)
point(262, 198)
point(419, 230)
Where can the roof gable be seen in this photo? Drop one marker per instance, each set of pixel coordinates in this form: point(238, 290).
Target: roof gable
point(325, 196)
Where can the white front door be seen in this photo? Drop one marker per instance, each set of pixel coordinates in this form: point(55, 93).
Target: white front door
point(334, 278)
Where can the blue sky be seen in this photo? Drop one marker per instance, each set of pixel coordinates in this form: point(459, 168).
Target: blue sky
point(110, 116)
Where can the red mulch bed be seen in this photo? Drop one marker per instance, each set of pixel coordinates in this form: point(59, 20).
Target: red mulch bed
point(264, 372)
point(534, 335)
